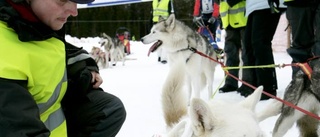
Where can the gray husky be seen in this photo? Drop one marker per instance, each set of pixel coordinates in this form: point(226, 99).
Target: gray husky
point(114, 49)
point(178, 40)
point(304, 93)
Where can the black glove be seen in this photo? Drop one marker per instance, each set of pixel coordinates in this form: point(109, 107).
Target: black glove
point(196, 19)
point(212, 20)
point(274, 5)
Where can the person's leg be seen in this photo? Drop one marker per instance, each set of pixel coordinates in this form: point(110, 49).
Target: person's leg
point(163, 56)
point(301, 20)
point(99, 114)
point(231, 48)
point(159, 52)
point(248, 59)
point(213, 29)
point(264, 27)
point(316, 49)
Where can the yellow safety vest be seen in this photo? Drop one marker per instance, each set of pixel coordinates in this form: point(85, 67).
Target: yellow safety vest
point(42, 64)
point(233, 16)
point(160, 9)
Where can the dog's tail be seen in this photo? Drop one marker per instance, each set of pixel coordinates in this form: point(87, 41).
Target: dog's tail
point(272, 109)
point(174, 102)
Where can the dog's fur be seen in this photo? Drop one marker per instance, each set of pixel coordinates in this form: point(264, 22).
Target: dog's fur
point(98, 55)
point(113, 48)
point(210, 119)
point(177, 39)
point(304, 93)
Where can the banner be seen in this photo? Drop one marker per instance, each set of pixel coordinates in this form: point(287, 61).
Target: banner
point(103, 3)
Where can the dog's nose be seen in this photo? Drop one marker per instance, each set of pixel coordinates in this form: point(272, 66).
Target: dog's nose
point(141, 39)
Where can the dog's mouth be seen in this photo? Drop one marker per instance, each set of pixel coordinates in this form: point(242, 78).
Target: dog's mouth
point(155, 46)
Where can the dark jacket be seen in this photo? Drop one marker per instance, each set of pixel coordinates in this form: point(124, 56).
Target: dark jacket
point(14, 95)
point(302, 3)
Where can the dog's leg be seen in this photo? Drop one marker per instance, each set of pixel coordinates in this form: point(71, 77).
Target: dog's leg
point(189, 88)
point(113, 56)
point(209, 77)
point(107, 59)
point(308, 126)
point(195, 88)
point(122, 55)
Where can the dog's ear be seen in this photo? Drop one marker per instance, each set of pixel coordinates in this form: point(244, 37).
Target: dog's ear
point(104, 34)
point(251, 101)
point(201, 116)
point(170, 22)
point(178, 130)
point(161, 18)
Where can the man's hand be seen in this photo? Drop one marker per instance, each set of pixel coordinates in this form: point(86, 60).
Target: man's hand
point(274, 5)
point(212, 20)
point(96, 79)
point(196, 18)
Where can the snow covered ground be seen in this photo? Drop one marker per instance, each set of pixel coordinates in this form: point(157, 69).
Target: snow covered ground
point(138, 84)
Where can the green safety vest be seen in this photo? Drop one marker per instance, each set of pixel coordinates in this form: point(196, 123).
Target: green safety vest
point(42, 64)
point(233, 16)
point(160, 9)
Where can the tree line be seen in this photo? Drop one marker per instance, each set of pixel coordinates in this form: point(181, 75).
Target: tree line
point(91, 22)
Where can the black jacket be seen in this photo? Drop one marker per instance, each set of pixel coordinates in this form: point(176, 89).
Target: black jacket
point(19, 113)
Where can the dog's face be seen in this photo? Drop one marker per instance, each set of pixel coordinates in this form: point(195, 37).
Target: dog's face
point(160, 31)
point(221, 119)
point(106, 42)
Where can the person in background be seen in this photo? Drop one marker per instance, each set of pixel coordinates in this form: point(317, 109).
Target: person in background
point(48, 85)
point(208, 12)
point(234, 22)
point(304, 20)
point(263, 19)
point(161, 8)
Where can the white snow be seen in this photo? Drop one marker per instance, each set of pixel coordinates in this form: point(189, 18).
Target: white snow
point(138, 84)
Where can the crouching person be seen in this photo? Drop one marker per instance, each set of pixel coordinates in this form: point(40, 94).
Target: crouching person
point(89, 111)
point(34, 81)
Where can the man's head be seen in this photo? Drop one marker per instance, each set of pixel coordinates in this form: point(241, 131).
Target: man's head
point(54, 13)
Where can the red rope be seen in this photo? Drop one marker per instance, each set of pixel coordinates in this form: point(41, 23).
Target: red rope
point(266, 93)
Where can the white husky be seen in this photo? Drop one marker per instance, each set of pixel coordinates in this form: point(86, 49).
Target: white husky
point(113, 49)
point(179, 41)
point(211, 119)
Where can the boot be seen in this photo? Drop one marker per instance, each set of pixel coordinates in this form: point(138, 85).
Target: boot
point(227, 88)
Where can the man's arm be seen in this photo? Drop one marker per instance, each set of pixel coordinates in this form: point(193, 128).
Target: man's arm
point(19, 113)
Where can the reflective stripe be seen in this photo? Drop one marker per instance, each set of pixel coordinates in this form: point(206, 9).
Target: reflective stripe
point(161, 10)
point(78, 58)
point(45, 106)
point(55, 119)
point(232, 11)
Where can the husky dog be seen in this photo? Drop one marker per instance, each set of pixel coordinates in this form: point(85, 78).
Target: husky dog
point(304, 93)
point(98, 55)
point(113, 49)
point(179, 41)
point(210, 119)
